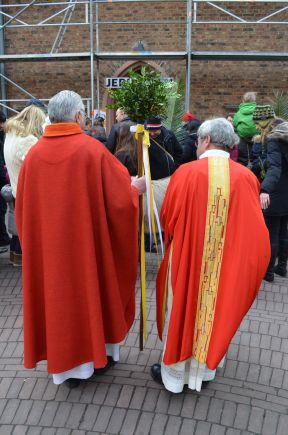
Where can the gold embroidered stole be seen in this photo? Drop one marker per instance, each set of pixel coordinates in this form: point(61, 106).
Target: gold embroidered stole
point(215, 231)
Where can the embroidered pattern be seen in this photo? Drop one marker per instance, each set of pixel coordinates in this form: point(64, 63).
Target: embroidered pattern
point(215, 230)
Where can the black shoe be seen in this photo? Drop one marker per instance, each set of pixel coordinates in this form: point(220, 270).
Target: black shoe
point(269, 277)
point(73, 382)
point(204, 385)
point(281, 271)
point(110, 363)
point(156, 373)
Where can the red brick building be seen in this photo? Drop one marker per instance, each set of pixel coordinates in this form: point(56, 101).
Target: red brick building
point(227, 30)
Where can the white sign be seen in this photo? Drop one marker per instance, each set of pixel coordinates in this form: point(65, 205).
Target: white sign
point(116, 82)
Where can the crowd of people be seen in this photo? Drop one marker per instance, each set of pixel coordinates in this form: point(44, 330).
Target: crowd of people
point(75, 194)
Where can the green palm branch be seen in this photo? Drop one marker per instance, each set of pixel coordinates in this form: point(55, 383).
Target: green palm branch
point(280, 104)
point(175, 112)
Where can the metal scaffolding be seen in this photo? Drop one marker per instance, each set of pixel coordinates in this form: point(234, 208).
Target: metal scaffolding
point(93, 23)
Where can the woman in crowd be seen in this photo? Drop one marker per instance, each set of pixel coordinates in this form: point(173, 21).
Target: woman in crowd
point(97, 130)
point(272, 169)
point(126, 149)
point(22, 132)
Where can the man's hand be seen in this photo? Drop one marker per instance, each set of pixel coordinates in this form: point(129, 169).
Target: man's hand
point(264, 200)
point(140, 184)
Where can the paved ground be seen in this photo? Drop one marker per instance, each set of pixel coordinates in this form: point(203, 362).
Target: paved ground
point(248, 396)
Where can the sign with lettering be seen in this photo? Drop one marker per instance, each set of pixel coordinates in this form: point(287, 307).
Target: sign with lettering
point(116, 82)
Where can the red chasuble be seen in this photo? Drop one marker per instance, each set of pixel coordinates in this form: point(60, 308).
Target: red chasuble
point(77, 217)
point(213, 222)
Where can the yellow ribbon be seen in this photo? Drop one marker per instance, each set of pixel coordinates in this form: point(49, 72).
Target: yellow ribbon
point(146, 143)
point(146, 138)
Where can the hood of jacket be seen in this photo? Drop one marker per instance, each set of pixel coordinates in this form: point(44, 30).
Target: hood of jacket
point(280, 132)
point(247, 108)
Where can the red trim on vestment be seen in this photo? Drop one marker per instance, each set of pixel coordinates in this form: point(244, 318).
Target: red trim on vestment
point(62, 129)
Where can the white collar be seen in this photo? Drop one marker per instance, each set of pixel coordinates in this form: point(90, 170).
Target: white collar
point(215, 153)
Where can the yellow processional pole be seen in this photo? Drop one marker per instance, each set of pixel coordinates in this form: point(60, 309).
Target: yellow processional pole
point(139, 136)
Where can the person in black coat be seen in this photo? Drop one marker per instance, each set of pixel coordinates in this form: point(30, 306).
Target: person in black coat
point(4, 237)
point(121, 117)
point(189, 143)
point(165, 152)
point(97, 133)
point(274, 199)
point(2, 133)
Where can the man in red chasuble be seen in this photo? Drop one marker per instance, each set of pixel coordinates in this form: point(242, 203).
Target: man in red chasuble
point(217, 252)
point(77, 217)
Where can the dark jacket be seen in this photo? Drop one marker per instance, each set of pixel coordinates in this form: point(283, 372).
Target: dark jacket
point(189, 148)
point(98, 132)
point(276, 179)
point(3, 179)
point(161, 164)
point(259, 160)
point(112, 138)
point(2, 140)
point(101, 138)
point(245, 152)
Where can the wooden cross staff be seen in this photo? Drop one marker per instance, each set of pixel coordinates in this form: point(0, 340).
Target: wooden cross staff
point(141, 199)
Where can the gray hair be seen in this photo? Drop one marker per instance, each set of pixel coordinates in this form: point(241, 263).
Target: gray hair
point(64, 106)
point(220, 131)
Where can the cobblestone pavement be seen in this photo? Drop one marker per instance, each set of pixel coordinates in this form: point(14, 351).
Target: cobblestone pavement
point(248, 396)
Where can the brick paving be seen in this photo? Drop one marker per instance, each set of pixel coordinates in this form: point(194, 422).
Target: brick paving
point(248, 396)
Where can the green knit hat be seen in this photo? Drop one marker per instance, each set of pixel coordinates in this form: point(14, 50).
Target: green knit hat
point(261, 113)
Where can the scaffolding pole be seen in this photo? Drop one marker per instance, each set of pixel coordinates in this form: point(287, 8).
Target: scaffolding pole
point(151, 55)
point(188, 58)
point(97, 61)
point(91, 53)
point(17, 15)
point(17, 86)
point(62, 29)
point(2, 66)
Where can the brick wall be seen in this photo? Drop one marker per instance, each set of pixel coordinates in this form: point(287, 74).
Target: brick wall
point(214, 85)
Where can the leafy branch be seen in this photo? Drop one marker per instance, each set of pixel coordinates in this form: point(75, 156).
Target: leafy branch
point(280, 104)
point(143, 95)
